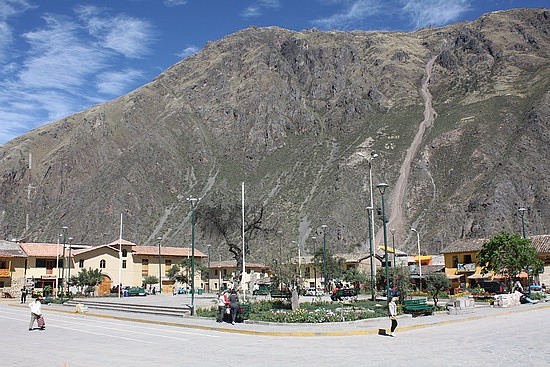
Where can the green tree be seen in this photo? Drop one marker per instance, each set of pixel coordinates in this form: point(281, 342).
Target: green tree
point(437, 282)
point(334, 265)
point(508, 255)
point(355, 277)
point(400, 279)
point(150, 279)
point(181, 272)
point(87, 279)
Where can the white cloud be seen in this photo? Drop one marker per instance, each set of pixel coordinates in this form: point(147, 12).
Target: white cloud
point(116, 82)
point(354, 14)
point(258, 8)
point(171, 3)
point(191, 50)
point(435, 12)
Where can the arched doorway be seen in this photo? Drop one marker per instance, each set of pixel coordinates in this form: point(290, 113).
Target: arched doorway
point(104, 288)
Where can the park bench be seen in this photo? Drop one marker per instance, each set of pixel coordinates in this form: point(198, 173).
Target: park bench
point(417, 307)
point(281, 295)
point(243, 312)
point(344, 294)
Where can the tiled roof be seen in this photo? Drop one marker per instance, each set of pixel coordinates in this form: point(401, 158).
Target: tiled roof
point(166, 251)
point(10, 249)
point(469, 245)
point(541, 243)
point(42, 249)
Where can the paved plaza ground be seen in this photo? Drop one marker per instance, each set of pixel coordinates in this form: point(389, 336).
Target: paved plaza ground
point(516, 336)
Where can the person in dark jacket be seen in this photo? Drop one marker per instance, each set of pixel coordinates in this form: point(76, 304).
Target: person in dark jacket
point(233, 305)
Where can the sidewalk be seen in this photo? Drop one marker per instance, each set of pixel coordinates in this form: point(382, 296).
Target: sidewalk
point(361, 327)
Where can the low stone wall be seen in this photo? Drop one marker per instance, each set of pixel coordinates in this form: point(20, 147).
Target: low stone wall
point(507, 300)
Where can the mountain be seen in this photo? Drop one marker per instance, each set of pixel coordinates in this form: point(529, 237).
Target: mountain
point(458, 115)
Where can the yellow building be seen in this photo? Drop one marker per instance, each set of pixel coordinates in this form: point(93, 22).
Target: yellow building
point(221, 274)
point(12, 269)
point(461, 263)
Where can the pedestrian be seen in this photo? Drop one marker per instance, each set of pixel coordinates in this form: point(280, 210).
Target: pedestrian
point(392, 308)
point(174, 291)
point(221, 306)
point(36, 314)
point(24, 295)
point(233, 305)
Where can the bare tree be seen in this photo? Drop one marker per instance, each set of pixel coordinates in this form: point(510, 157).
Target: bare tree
point(223, 220)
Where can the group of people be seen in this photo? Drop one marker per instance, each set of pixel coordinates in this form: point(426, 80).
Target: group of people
point(228, 305)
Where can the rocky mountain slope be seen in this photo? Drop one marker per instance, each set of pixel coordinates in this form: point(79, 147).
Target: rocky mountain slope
point(459, 116)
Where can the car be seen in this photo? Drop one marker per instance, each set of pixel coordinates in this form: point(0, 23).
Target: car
point(313, 292)
point(136, 291)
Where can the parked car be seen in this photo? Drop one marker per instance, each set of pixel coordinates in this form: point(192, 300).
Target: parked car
point(493, 286)
point(314, 292)
point(136, 291)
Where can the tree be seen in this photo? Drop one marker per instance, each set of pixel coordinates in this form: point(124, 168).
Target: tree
point(355, 277)
point(181, 272)
point(223, 219)
point(437, 282)
point(87, 278)
point(150, 279)
point(333, 265)
point(400, 280)
point(508, 255)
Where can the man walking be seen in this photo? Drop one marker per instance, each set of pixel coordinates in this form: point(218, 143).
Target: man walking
point(36, 314)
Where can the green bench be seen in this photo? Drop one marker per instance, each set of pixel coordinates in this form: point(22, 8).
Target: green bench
point(417, 307)
point(344, 293)
point(281, 295)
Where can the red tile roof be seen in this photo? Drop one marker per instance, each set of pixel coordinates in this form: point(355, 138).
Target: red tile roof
point(541, 243)
point(166, 251)
point(233, 264)
point(42, 249)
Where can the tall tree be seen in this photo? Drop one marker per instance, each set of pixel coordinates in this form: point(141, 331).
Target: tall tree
point(222, 219)
point(437, 282)
point(508, 255)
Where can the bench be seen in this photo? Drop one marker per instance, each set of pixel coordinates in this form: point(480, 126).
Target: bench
point(281, 295)
point(417, 307)
point(243, 312)
point(344, 294)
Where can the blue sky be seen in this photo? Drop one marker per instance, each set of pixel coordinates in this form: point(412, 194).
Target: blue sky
point(58, 57)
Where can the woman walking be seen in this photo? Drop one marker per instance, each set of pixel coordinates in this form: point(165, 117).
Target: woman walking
point(392, 308)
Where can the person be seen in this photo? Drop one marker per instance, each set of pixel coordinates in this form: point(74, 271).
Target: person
point(392, 308)
point(233, 305)
point(174, 291)
point(221, 306)
point(36, 313)
point(24, 295)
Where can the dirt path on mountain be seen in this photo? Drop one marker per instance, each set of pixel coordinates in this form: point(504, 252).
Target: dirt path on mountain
point(397, 218)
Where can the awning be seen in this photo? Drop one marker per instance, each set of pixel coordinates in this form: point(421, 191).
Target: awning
point(479, 276)
point(423, 258)
point(454, 276)
point(392, 250)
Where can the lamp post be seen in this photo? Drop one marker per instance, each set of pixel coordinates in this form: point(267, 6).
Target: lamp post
point(370, 214)
point(419, 261)
point(324, 227)
point(69, 264)
point(208, 246)
point(160, 274)
point(522, 213)
point(373, 155)
point(314, 265)
point(64, 229)
point(194, 202)
point(393, 244)
point(280, 233)
point(382, 189)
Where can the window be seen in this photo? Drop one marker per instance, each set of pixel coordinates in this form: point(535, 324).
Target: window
point(216, 272)
point(455, 261)
point(81, 263)
point(145, 267)
point(123, 264)
point(102, 264)
point(124, 252)
point(467, 259)
point(167, 267)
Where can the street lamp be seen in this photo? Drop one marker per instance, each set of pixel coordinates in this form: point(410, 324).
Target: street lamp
point(419, 261)
point(382, 188)
point(160, 274)
point(522, 213)
point(314, 265)
point(373, 155)
point(324, 227)
point(194, 202)
point(208, 246)
point(393, 244)
point(69, 264)
point(64, 229)
point(370, 215)
point(280, 233)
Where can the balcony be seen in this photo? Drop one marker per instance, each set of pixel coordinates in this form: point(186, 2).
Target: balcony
point(5, 273)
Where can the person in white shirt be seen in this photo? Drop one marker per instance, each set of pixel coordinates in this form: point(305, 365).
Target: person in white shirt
point(392, 308)
point(36, 312)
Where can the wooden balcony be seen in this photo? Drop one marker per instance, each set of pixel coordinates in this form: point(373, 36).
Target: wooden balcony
point(5, 273)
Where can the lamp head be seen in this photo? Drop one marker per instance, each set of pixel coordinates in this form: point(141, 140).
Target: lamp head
point(414, 230)
point(382, 187)
point(373, 154)
point(521, 211)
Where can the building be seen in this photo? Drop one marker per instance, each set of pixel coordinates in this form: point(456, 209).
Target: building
point(221, 275)
point(12, 268)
